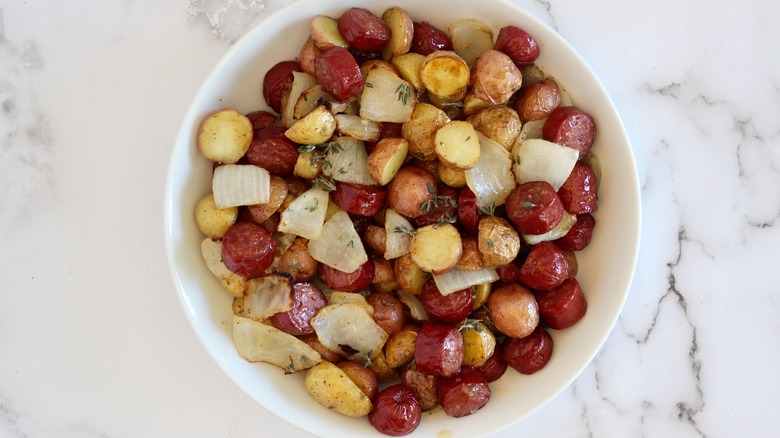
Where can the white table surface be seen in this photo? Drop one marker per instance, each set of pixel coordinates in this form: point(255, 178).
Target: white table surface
point(93, 340)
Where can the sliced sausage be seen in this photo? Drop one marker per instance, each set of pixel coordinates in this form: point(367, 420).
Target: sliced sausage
point(248, 249)
point(534, 207)
point(468, 212)
point(530, 354)
point(572, 127)
point(429, 38)
point(359, 199)
point(272, 151)
point(448, 309)
point(308, 299)
point(464, 393)
point(563, 306)
point(438, 350)
point(338, 73)
point(578, 193)
point(275, 83)
point(545, 268)
point(494, 367)
point(363, 30)
point(579, 235)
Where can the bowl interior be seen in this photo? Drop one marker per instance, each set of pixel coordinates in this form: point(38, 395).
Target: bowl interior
point(606, 266)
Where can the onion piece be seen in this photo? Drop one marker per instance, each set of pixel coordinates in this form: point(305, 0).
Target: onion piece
point(358, 128)
point(531, 129)
point(560, 230)
point(212, 255)
point(257, 342)
point(542, 160)
point(305, 215)
point(348, 329)
point(399, 233)
point(266, 296)
point(235, 185)
point(300, 83)
point(339, 245)
point(348, 162)
point(338, 297)
point(416, 309)
point(491, 179)
point(471, 38)
point(458, 279)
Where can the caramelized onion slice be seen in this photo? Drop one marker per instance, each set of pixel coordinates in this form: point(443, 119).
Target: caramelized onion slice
point(258, 342)
point(349, 330)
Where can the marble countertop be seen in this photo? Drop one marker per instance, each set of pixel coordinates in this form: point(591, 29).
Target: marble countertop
point(93, 340)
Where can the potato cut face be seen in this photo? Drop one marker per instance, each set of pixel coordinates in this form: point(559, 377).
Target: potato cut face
point(315, 128)
point(225, 136)
point(325, 33)
point(436, 248)
point(445, 74)
point(387, 158)
point(457, 145)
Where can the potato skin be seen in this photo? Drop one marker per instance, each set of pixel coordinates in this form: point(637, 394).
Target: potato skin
point(499, 123)
point(409, 190)
point(499, 243)
point(471, 259)
point(399, 348)
point(514, 310)
point(421, 129)
point(331, 387)
point(297, 261)
point(213, 221)
point(495, 78)
point(386, 159)
point(409, 276)
point(538, 100)
point(224, 136)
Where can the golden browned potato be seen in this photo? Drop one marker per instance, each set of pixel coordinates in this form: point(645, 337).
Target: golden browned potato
point(383, 271)
point(261, 212)
point(399, 348)
point(372, 64)
point(387, 158)
point(213, 221)
point(499, 242)
point(495, 78)
point(325, 33)
point(224, 136)
point(297, 261)
point(436, 248)
point(537, 101)
point(410, 190)
point(409, 276)
point(383, 371)
point(309, 53)
point(514, 310)
point(306, 166)
point(481, 294)
point(457, 145)
point(421, 129)
point(375, 237)
point(479, 343)
point(401, 33)
point(499, 123)
point(473, 104)
point(314, 96)
point(331, 387)
point(363, 377)
point(409, 66)
point(471, 259)
point(451, 177)
point(317, 127)
point(445, 74)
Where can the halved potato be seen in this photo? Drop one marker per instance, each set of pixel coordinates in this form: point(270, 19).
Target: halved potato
point(387, 158)
point(445, 74)
point(301, 82)
point(325, 33)
point(399, 348)
point(401, 32)
point(457, 145)
point(386, 97)
point(212, 221)
point(473, 104)
point(471, 259)
point(313, 97)
point(373, 64)
point(409, 66)
point(421, 129)
point(306, 166)
point(495, 77)
point(331, 387)
point(258, 342)
point(357, 127)
point(436, 248)
point(451, 177)
point(224, 136)
point(309, 53)
point(317, 127)
point(479, 343)
point(499, 123)
point(409, 275)
point(499, 242)
point(471, 38)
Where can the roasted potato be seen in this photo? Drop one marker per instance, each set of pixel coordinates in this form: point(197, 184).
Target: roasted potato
point(409, 276)
point(363, 377)
point(224, 136)
point(317, 127)
point(401, 32)
point(499, 123)
point(325, 33)
point(495, 78)
point(375, 237)
point(308, 53)
point(357, 127)
point(473, 104)
point(373, 64)
point(436, 248)
point(471, 259)
point(514, 310)
point(261, 212)
point(306, 166)
point(383, 271)
point(410, 191)
point(479, 343)
point(331, 387)
point(297, 261)
point(399, 348)
point(378, 364)
point(457, 145)
point(481, 294)
point(314, 96)
point(499, 242)
point(537, 101)
point(421, 129)
point(446, 75)
point(449, 176)
point(212, 255)
point(387, 158)
point(212, 221)
point(409, 66)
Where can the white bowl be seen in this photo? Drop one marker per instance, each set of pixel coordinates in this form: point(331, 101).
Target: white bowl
point(606, 266)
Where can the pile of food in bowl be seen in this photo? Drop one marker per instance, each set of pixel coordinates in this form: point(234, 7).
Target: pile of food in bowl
point(402, 222)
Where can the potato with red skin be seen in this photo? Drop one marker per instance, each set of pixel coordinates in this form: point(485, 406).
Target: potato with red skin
point(429, 38)
point(464, 393)
point(534, 207)
point(411, 188)
point(494, 367)
point(297, 261)
point(262, 120)
point(338, 73)
point(468, 212)
point(261, 212)
point(518, 44)
point(275, 83)
point(308, 299)
point(422, 385)
point(529, 354)
point(388, 312)
point(347, 282)
point(571, 127)
point(538, 100)
point(578, 193)
point(545, 267)
point(363, 30)
point(563, 306)
point(578, 237)
point(396, 411)
point(438, 350)
point(495, 78)
point(358, 199)
point(326, 354)
point(448, 309)
point(309, 53)
point(513, 310)
point(272, 151)
point(363, 377)
point(248, 249)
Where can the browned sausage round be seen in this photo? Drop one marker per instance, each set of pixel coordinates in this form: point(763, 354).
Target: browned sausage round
point(530, 354)
point(262, 120)
point(347, 282)
point(439, 349)
point(359, 199)
point(534, 207)
point(468, 212)
point(578, 193)
point(447, 309)
point(275, 82)
point(494, 367)
point(308, 299)
point(579, 235)
point(545, 267)
point(563, 306)
point(429, 38)
point(445, 208)
point(272, 151)
point(363, 30)
point(518, 44)
point(396, 411)
point(422, 385)
point(388, 312)
point(464, 393)
point(248, 249)
point(570, 126)
point(338, 73)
